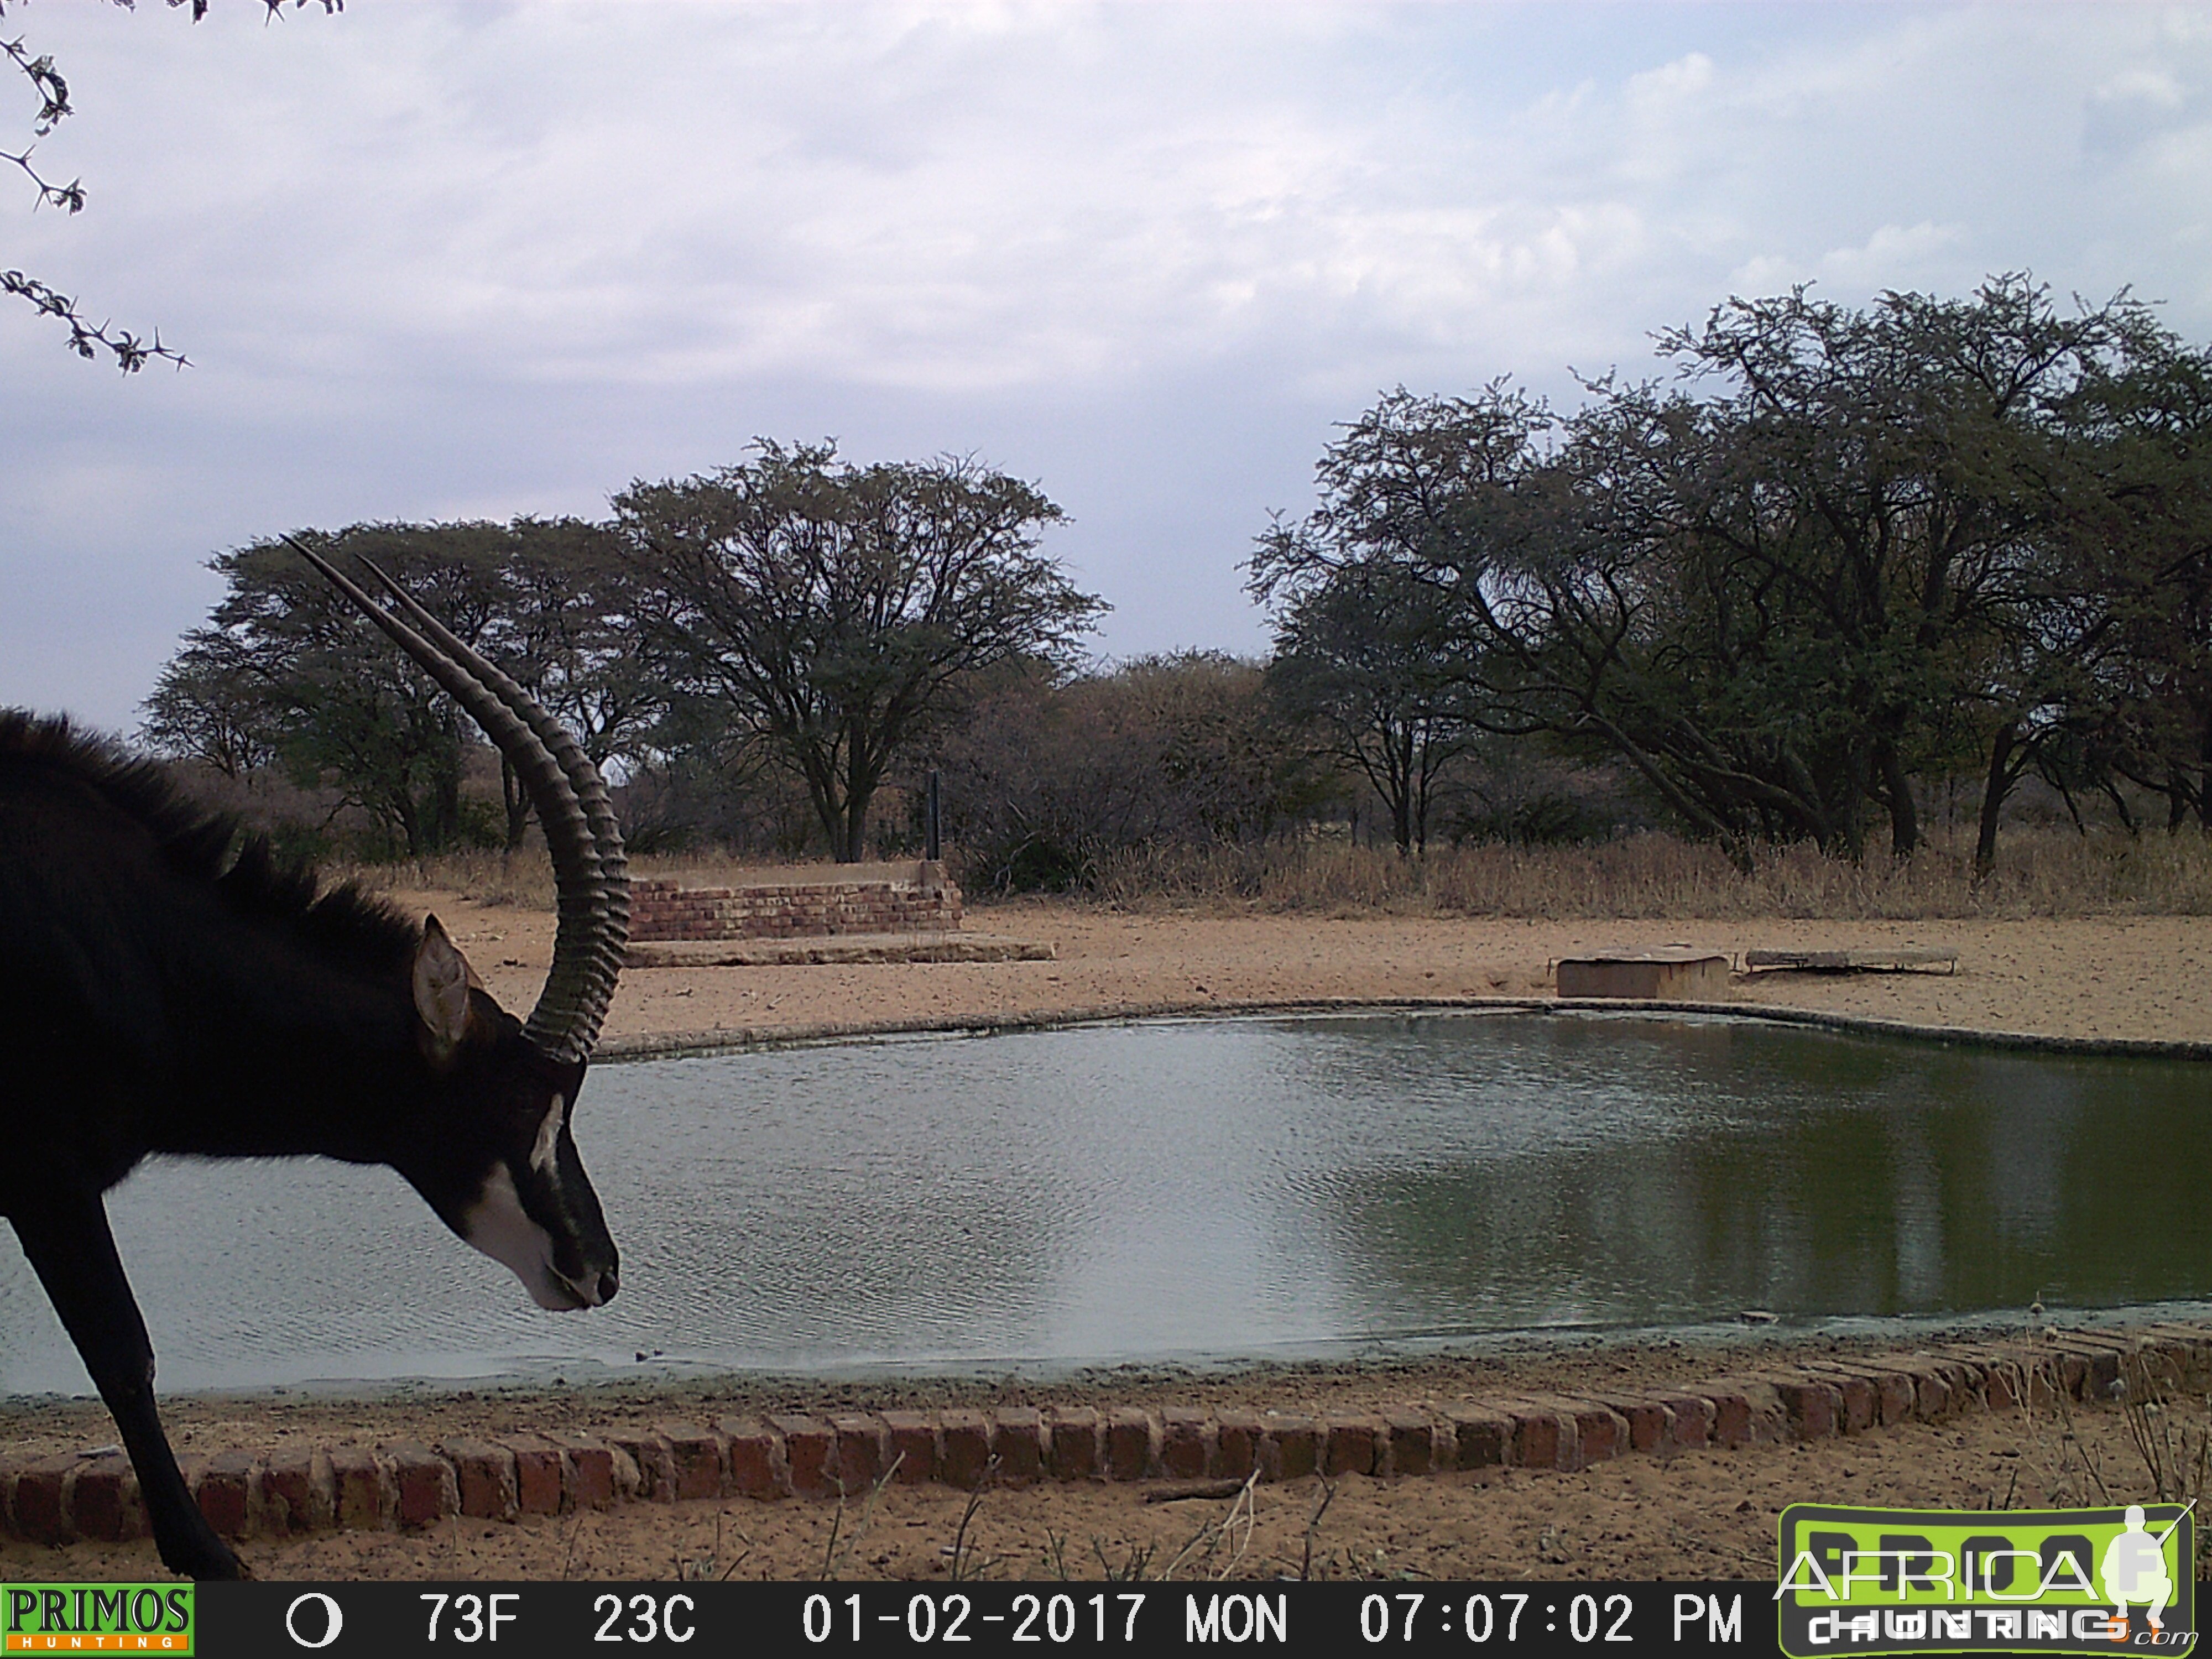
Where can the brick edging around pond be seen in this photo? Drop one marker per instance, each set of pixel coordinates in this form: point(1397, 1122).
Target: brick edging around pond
point(400, 1485)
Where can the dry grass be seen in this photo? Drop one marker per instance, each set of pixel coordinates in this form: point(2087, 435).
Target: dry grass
point(2039, 873)
point(2169, 1429)
point(2042, 872)
point(522, 879)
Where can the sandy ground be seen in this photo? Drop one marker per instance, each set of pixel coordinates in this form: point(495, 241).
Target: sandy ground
point(1700, 1515)
point(2130, 976)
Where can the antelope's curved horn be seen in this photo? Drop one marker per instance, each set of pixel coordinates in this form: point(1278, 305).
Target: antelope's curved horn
point(588, 959)
point(571, 799)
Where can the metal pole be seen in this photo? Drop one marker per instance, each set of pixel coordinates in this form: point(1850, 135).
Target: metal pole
point(933, 822)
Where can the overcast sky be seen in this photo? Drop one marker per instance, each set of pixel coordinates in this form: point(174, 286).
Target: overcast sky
point(436, 261)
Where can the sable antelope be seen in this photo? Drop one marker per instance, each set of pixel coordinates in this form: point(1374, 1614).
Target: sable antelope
point(166, 986)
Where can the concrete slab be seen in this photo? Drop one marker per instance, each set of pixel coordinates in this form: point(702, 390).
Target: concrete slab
point(1851, 962)
point(1671, 973)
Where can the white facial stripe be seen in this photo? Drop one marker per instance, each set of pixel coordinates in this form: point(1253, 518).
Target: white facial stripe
point(497, 1224)
point(548, 1137)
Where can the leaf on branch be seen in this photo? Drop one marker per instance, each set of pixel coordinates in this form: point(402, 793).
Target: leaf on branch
point(87, 340)
point(53, 90)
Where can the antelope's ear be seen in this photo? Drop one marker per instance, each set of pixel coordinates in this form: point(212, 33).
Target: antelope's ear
point(442, 978)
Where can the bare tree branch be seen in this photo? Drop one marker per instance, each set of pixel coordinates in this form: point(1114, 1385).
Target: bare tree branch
point(69, 195)
point(132, 352)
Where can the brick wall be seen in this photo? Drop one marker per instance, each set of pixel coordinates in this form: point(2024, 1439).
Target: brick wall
point(668, 910)
point(1789, 1395)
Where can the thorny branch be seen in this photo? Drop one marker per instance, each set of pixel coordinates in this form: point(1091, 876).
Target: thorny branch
point(87, 339)
point(53, 90)
point(69, 195)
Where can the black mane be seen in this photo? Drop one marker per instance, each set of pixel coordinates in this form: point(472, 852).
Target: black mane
point(202, 845)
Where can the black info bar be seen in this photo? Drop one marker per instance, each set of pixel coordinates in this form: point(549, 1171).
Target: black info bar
point(674, 1621)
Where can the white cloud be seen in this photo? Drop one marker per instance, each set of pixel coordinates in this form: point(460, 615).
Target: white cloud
point(2155, 87)
point(1894, 257)
point(447, 257)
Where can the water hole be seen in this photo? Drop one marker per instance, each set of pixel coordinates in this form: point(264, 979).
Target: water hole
point(1216, 1189)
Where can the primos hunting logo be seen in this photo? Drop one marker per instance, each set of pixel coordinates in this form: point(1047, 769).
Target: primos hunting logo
point(2026, 1581)
point(96, 1619)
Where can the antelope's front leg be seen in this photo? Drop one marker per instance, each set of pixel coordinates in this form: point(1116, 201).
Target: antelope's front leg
point(66, 1236)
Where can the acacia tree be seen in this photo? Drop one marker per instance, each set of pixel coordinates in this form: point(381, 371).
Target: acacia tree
point(1367, 657)
point(285, 657)
point(564, 627)
point(1394, 628)
point(834, 609)
point(209, 705)
point(1892, 488)
point(284, 670)
point(1779, 593)
point(2140, 537)
point(1369, 642)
